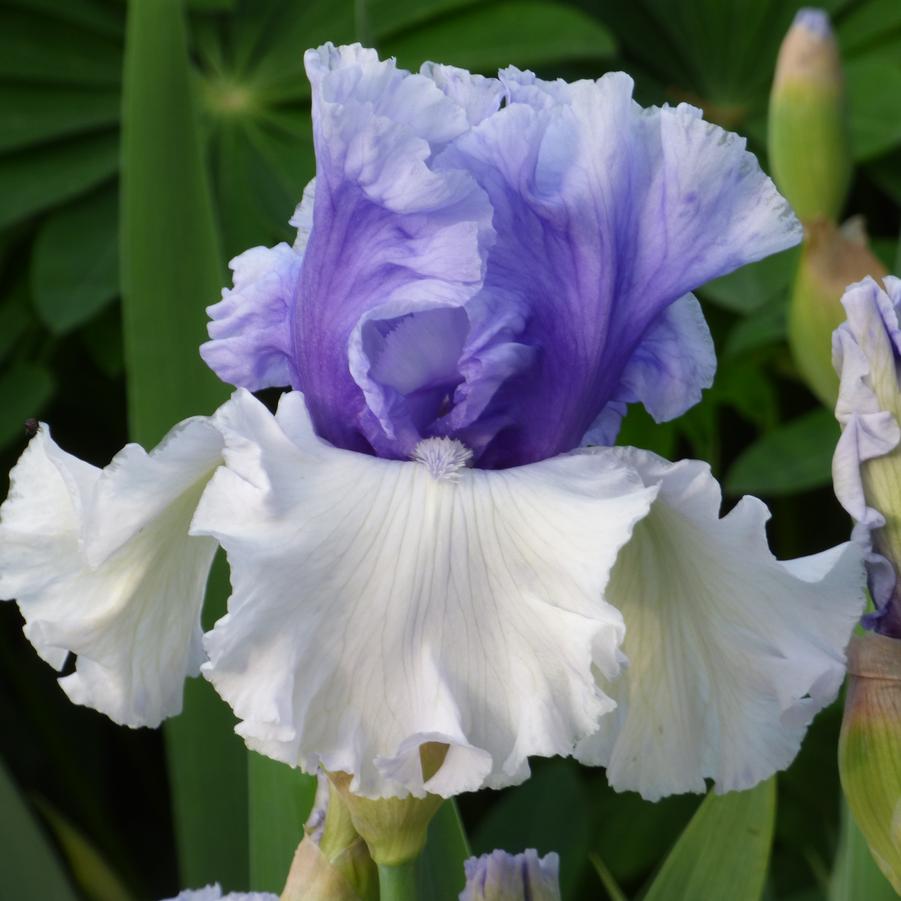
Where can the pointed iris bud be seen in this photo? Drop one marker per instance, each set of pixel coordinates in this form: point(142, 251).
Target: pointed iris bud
point(809, 144)
point(332, 862)
point(499, 876)
point(870, 747)
point(831, 259)
point(394, 829)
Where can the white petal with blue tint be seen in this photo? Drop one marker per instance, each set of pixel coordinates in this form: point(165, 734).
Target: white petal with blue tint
point(101, 565)
point(377, 606)
point(731, 651)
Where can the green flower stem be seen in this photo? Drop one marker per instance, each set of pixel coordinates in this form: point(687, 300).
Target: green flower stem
point(397, 882)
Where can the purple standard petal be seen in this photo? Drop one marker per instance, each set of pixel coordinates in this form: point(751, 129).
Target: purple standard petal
point(605, 214)
point(508, 277)
point(866, 470)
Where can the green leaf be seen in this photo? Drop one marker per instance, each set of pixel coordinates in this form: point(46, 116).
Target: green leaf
point(389, 16)
point(91, 873)
point(35, 47)
point(281, 799)
point(754, 286)
point(95, 15)
point(171, 270)
point(614, 892)
point(765, 326)
point(439, 869)
point(874, 91)
point(549, 812)
point(868, 24)
point(25, 389)
point(491, 35)
point(15, 317)
point(75, 261)
point(32, 114)
point(28, 863)
point(724, 851)
point(794, 457)
point(855, 875)
point(34, 179)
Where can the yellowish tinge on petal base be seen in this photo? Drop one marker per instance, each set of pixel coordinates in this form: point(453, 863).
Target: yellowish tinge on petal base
point(870, 747)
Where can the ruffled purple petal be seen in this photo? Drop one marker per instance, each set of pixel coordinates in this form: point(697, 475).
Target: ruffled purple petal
point(250, 328)
point(866, 352)
point(393, 233)
point(667, 372)
point(605, 214)
point(505, 276)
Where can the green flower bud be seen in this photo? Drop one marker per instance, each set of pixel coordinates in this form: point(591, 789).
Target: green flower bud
point(332, 863)
point(831, 259)
point(809, 144)
point(870, 747)
point(394, 829)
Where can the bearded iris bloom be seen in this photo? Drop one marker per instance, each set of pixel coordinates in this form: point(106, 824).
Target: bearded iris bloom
point(433, 542)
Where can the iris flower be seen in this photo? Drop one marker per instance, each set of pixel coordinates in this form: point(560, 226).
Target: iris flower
point(433, 540)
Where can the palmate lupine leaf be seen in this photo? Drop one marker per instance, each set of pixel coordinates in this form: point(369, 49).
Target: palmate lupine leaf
point(171, 269)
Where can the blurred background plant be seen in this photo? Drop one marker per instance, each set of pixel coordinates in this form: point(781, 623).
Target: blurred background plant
point(85, 807)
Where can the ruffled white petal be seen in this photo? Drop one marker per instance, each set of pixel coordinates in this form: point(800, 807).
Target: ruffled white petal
point(731, 652)
point(101, 565)
point(376, 607)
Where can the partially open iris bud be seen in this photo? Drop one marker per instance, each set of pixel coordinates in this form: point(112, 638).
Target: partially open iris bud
point(870, 747)
point(512, 877)
point(809, 145)
point(832, 258)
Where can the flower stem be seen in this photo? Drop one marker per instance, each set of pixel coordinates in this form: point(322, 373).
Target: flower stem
point(397, 882)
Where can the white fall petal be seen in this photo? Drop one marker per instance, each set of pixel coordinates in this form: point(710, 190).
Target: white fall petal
point(377, 607)
point(731, 651)
point(101, 565)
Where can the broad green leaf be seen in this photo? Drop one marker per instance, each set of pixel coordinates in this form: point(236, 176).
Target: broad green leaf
point(32, 114)
point(874, 92)
point(867, 24)
point(632, 835)
point(29, 867)
point(491, 35)
point(389, 16)
point(765, 326)
point(102, 16)
point(75, 261)
point(794, 457)
point(37, 48)
point(549, 812)
point(281, 799)
point(34, 179)
point(16, 316)
point(886, 173)
point(25, 389)
point(639, 430)
point(752, 287)
point(723, 852)
point(171, 269)
point(439, 870)
point(855, 875)
point(91, 873)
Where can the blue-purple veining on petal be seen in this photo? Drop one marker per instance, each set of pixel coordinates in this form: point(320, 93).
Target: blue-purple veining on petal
point(866, 353)
point(500, 876)
point(508, 274)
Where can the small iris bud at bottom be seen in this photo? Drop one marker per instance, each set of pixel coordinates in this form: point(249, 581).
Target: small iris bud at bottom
point(394, 829)
point(870, 747)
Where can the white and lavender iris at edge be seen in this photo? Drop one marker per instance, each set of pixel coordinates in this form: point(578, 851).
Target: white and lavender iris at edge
point(433, 539)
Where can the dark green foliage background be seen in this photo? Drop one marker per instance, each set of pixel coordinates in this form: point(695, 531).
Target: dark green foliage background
point(61, 346)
